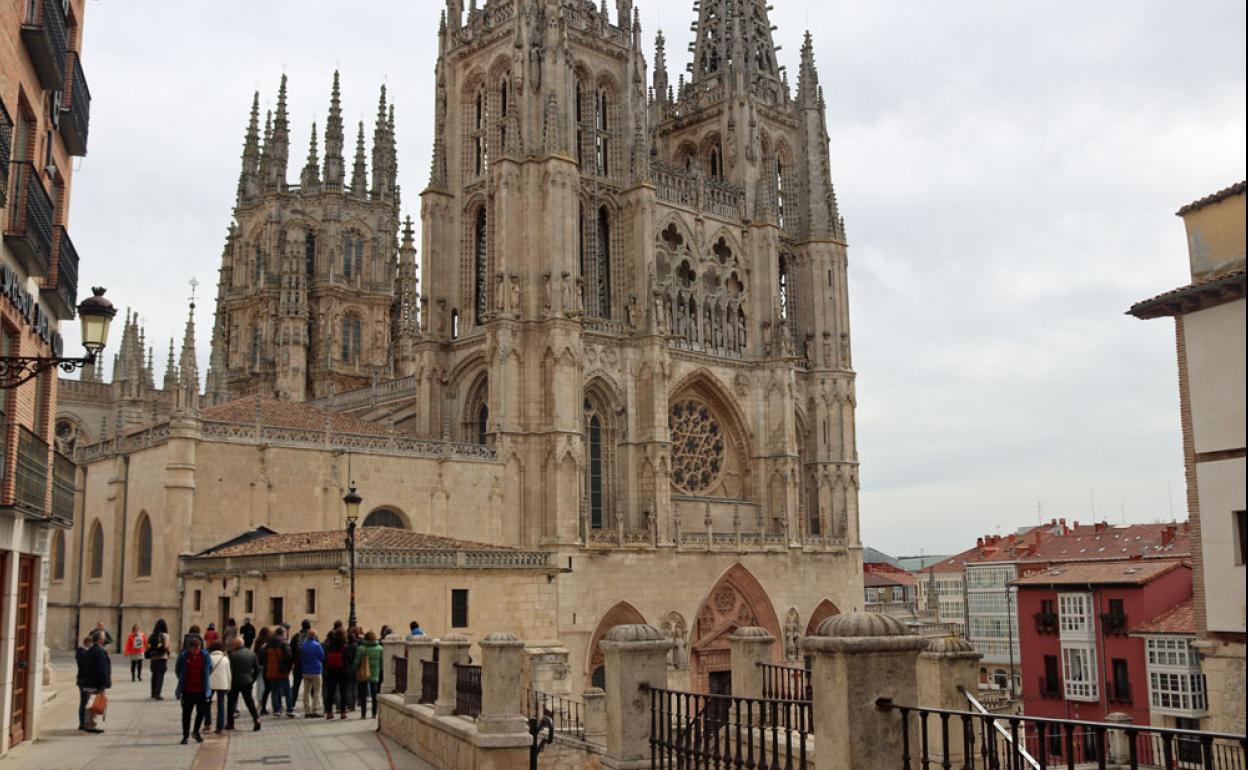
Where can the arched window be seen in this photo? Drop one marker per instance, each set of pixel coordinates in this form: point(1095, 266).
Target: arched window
point(716, 162)
point(352, 255)
point(480, 266)
point(483, 423)
point(504, 106)
point(143, 547)
point(480, 133)
point(309, 254)
point(257, 343)
point(351, 339)
point(599, 440)
point(781, 192)
point(782, 289)
point(580, 126)
point(593, 430)
point(454, 324)
point(96, 565)
point(602, 277)
point(58, 555)
point(258, 266)
point(602, 137)
point(384, 517)
point(476, 416)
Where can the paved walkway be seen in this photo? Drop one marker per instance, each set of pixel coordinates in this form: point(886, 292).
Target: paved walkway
point(143, 734)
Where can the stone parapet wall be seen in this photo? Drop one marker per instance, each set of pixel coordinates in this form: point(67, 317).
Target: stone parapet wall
point(450, 742)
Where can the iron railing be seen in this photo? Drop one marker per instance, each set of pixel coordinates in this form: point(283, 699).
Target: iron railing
point(1118, 692)
point(942, 737)
point(400, 675)
point(786, 682)
point(567, 715)
point(467, 690)
point(1114, 623)
point(6, 150)
point(76, 107)
point(47, 41)
point(63, 472)
point(31, 486)
point(428, 681)
point(1049, 688)
point(62, 292)
point(28, 230)
point(691, 731)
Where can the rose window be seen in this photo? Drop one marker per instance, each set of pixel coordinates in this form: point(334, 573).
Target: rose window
point(697, 446)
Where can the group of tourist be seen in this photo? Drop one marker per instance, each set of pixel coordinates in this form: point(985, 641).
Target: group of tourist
point(267, 665)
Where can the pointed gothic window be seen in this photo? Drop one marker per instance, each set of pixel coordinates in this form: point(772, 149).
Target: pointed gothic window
point(480, 134)
point(602, 141)
point(257, 343)
point(143, 547)
point(258, 266)
point(347, 261)
point(351, 340)
point(780, 193)
point(603, 266)
point(504, 99)
point(476, 416)
point(359, 256)
point(595, 486)
point(599, 455)
point(783, 289)
point(309, 254)
point(483, 423)
point(96, 563)
point(480, 265)
point(580, 126)
point(717, 167)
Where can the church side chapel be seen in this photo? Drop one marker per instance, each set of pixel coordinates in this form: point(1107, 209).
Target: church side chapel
point(626, 361)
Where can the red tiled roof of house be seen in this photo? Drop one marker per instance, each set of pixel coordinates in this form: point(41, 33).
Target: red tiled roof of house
point(1179, 619)
point(1080, 542)
point(366, 539)
point(1223, 194)
point(1197, 295)
point(876, 579)
point(1136, 572)
point(287, 414)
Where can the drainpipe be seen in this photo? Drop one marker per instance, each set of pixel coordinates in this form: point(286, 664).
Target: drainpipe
point(82, 536)
point(125, 527)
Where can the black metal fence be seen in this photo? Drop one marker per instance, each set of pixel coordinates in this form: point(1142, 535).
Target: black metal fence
point(428, 681)
point(467, 690)
point(691, 731)
point(785, 682)
point(567, 715)
point(400, 674)
point(971, 740)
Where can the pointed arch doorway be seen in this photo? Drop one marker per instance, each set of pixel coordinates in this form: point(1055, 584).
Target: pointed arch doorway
point(736, 600)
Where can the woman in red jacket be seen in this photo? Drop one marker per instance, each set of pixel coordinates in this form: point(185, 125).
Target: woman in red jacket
point(136, 643)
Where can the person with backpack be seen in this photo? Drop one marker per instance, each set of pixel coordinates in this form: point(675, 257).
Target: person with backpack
point(244, 670)
point(311, 664)
point(367, 665)
point(337, 674)
point(194, 672)
point(277, 665)
point(134, 648)
point(158, 653)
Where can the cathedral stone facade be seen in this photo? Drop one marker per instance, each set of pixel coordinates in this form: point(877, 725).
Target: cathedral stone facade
point(633, 304)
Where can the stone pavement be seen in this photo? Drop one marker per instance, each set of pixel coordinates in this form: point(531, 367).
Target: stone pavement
point(142, 734)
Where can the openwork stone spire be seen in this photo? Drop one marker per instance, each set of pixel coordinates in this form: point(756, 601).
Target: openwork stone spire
point(311, 176)
point(334, 138)
point(248, 179)
point(733, 39)
point(359, 173)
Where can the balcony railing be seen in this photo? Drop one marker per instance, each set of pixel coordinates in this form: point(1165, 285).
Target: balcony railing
point(565, 714)
point(467, 690)
point(790, 683)
point(428, 681)
point(697, 730)
point(28, 230)
point(47, 41)
point(1118, 692)
point(61, 288)
point(1050, 688)
point(6, 149)
point(63, 472)
point(1046, 622)
point(31, 488)
point(75, 107)
point(1114, 624)
point(400, 674)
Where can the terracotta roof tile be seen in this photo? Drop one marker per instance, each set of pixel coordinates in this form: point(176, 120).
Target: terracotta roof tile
point(1099, 542)
point(1136, 572)
point(287, 414)
point(1215, 289)
point(1235, 189)
point(367, 539)
point(1179, 619)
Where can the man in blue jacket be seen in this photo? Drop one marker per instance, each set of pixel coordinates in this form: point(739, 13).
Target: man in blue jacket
point(312, 665)
point(95, 675)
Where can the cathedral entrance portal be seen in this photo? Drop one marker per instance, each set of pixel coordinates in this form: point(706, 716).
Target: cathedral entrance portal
point(736, 601)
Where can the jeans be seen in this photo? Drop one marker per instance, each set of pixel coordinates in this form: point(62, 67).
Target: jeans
point(223, 709)
point(263, 688)
point(367, 691)
point(159, 666)
point(337, 685)
point(84, 697)
point(280, 689)
point(245, 694)
point(311, 694)
point(297, 676)
point(136, 669)
point(199, 704)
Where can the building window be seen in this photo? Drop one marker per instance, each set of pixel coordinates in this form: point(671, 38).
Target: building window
point(1050, 686)
point(352, 255)
point(143, 546)
point(309, 601)
point(602, 277)
point(96, 570)
point(58, 555)
point(459, 608)
point(1080, 673)
point(351, 339)
point(309, 254)
point(782, 289)
point(476, 416)
point(197, 600)
point(602, 137)
point(1173, 653)
point(276, 615)
point(257, 342)
point(384, 517)
point(480, 266)
point(258, 266)
point(781, 192)
point(1075, 614)
point(1177, 692)
point(249, 601)
point(1120, 682)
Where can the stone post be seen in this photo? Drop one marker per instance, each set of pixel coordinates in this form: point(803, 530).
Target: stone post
point(1119, 747)
point(947, 669)
point(452, 649)
point(501, 657)
point(859, 658)
point(419, 649)
point(750, 646)
point(595, 715)
point(547, 664)
point(636, 658)
point(391, 650)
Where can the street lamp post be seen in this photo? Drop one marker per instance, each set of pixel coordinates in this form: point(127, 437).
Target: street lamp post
point(96, 314)
point(352, 501)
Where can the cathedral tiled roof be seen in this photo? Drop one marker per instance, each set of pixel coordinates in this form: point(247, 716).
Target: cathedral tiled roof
point(286, 414)
point(366, 539)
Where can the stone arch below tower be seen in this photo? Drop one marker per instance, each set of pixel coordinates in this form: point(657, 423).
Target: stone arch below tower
point(737, 600)
point(825, 610)
point(620, 614)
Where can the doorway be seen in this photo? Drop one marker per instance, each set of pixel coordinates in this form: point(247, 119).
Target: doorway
point(22, 627)
point(223, 613)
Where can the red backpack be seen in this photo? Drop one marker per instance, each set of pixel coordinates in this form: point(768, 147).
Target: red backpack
point(334, 659)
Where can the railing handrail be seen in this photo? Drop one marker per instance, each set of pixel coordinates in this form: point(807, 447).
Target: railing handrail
point(1000, 728)
point(720, 696)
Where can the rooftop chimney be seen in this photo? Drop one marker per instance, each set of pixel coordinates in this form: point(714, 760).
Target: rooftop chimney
point(1167, 535)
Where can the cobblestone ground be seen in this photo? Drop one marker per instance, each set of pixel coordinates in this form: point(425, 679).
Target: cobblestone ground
point(144, 734)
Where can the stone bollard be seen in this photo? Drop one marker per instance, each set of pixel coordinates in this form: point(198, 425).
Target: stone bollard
point(452, 649)
point(595, 715)
point(636, 659)
point(750, 646)
point(391, 650)
point(946, 670)
point(547, 668)
point(858, 658)
point(419, 649)
point(1119, 741)
point(501, 657)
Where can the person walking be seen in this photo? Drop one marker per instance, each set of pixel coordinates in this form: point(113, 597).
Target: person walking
point(311, 663)
point(219, 681)
point(336, 673)
point(95, 675)
point(211, 636)
point(244, 669)
point(227, 636)
point(262, 683)
point(248, 632)
point(194, 672)
point(367, 665)
point(277, 665)
point(158, 653)
point(297, 660)
point(136, 646)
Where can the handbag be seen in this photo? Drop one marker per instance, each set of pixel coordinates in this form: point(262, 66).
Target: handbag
point(365, 671)
point(100, 704)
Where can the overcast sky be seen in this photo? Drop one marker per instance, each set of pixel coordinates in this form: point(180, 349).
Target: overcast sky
point(1008, 173)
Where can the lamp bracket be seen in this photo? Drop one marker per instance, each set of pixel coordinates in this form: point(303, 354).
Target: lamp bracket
point(18, 370)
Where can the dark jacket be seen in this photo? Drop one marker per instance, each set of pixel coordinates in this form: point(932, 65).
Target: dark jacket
point(248, 632)
point(95, 669)
point(276, 659)
point(179, 669)
point(244, 668)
